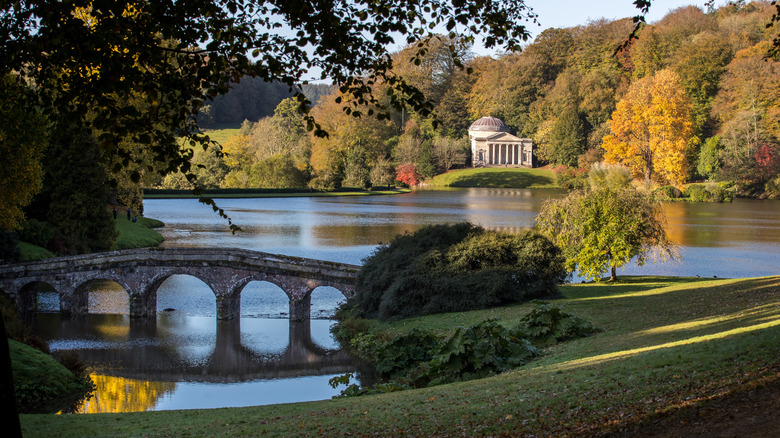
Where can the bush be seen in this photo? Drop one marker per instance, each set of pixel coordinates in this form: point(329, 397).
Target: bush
point(719, 192)
point(570, 177)
point(449, 268)
point(476, 352)
point(9, 249)
point(548, 324)
point(37, 232)
point(668, 192)
point(697, 193)
point(772, 188)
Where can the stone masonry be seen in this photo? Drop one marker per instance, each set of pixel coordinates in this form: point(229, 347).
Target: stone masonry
point(141, 271)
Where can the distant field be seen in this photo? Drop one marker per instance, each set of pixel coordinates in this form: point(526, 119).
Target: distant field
point(222, 135)
point(496, 177)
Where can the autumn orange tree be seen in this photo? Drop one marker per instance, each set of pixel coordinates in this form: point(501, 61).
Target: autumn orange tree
point(652, 128)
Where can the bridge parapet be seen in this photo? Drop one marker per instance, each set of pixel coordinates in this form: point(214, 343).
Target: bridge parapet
point(141, 271)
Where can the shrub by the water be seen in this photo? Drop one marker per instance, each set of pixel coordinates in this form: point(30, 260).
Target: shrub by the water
point(711, 192)
point(449, 268)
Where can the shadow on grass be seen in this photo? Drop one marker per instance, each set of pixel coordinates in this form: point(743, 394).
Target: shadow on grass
point(626, 285)
point(505, 179)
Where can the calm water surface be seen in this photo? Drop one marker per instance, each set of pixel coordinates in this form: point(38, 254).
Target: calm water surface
point(739, 239)
point(185, 358)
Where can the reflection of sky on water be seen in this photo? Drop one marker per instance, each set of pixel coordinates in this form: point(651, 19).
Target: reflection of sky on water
point(196, 395)
point(265, 336)
point(192, 338)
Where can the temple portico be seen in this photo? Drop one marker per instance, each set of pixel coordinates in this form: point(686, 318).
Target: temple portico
point(493, 145)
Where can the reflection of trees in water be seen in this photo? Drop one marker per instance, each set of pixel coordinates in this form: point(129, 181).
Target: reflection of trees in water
point(120, 394)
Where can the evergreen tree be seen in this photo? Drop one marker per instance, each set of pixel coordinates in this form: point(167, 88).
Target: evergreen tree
point(75, 194)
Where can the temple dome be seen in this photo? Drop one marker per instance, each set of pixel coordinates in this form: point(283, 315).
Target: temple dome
point(490, 124)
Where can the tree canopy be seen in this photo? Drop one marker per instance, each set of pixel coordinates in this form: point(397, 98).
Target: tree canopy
point(652, 128)
point(602, 228)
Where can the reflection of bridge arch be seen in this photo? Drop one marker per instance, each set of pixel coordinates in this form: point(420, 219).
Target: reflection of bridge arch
point(230, 360)
point(141, 272)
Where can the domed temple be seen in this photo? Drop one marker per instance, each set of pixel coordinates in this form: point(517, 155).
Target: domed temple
point(492, 145)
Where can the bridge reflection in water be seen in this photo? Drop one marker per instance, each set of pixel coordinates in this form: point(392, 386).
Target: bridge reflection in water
point(179, 361)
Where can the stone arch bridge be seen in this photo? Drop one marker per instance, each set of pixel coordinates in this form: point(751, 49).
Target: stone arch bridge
point(141, 271)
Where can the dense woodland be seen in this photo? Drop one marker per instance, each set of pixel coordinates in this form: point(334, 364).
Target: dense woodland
point(695, 97)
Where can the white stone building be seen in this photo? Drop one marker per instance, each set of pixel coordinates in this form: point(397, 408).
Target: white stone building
point(492, 145)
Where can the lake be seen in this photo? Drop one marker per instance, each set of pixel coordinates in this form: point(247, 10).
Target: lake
point(185, 358)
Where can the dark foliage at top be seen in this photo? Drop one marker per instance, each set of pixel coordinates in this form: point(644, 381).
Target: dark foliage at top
point(449, 268)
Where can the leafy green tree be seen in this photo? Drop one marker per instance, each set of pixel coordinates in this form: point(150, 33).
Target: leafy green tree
point(449, 151)
point(356, 171)
point(209, 166)
point(278, 171)
point(426, 163)
point(382, 174)
point(709, 161)
point(604, 228)
point(567, 140)
point(22, 141)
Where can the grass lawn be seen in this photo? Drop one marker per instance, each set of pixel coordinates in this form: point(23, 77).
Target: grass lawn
point(137, 234)
point(33, 252)
point(666, 343)
point(131, 235)
point(496, 177)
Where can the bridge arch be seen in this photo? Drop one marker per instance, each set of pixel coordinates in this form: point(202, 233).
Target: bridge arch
point(141, 272)
point(181, 290)
point(94, 293)
point(324, 301)
point(28, 294)
point(262, 298)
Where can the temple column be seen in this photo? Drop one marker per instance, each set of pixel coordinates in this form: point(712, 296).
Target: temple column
point(511, 153)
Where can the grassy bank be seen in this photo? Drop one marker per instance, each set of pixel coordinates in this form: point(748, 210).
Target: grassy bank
point(138, 234)
point(495, 177)
point(666, 343)
point(32, 252)
point(266, 193)
point(131, 234)
point(41, 383)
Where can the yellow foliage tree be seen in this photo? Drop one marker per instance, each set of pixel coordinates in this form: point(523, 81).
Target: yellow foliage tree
point(651, 129)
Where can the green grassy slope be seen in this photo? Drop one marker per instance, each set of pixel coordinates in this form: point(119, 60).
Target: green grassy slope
point(494, 177)
point(137, 234)
point(666, 343)
point(39, 380)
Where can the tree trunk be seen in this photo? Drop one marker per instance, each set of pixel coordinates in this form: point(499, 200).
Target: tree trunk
point(614, 276)
point(9, 417)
